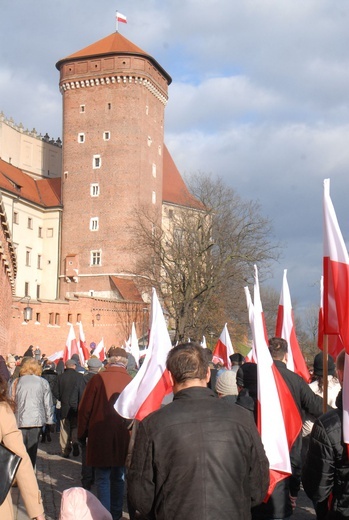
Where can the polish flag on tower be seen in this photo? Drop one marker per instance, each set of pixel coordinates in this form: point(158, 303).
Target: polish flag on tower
point(71, 346)
point(145, 393)
point(120, 17)
point(285, 329)
point(223, 349)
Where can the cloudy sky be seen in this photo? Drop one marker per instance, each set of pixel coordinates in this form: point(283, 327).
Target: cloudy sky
point(260, 96)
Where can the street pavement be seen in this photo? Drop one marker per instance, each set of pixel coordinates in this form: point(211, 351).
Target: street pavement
point(55, 474)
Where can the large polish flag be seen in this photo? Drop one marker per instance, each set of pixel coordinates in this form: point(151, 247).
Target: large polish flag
point(83, 350)
point(278, 419)
point(71, 346)
point(336, 291)
point(99, 351)
point(335, 345)
point(285, 329)
point(223, 349)
point(145, 393)
point(56, 356)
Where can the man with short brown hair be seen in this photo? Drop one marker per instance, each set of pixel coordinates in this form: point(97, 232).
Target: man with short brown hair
point(197, 458)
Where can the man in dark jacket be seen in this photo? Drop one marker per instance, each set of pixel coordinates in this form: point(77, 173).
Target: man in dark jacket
point(197, 458)
point(68, 389)
point(326, 470)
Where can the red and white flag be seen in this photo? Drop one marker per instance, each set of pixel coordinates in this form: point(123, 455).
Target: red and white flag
point(285, 329)
point(56, 356)
point(99, 351)
point(278, 419)
point(223, 349)
point(71, 346)
point(335, 345)
point(145, 393)
point(83, 350)
point(120, 17)
point(336, 291)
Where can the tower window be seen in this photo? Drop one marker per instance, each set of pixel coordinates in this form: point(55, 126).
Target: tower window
point(82, 108)
point(40, 232)
point(30, 223)
point(81, 138)
point(154, 170)
point(38, 294)
point(39, 262)
point(15, 217)
point(153, 197)
point(97, 162)
point(26, 288)
point(94, 189)
point(106, 136)
point(94, 224)
point(96, 257)
point(109, 106)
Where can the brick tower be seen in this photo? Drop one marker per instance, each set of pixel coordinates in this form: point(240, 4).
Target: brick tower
point(114, 96)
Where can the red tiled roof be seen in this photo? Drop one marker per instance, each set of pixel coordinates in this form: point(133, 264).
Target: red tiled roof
point(44, 192)
point(115, 43)
point(127, 289)
point(174, 189)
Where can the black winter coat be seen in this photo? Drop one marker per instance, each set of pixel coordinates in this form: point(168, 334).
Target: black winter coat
point(68, 388)
point(197, 458)
point(326, 469)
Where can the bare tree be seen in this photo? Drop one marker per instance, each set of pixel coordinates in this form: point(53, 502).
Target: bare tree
point(202, 256)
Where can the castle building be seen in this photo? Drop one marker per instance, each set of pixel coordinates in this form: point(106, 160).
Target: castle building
point(114, 96)
point(69, 215)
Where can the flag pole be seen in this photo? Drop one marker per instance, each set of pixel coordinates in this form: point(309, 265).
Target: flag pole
point(325, 372)
point(116, 22)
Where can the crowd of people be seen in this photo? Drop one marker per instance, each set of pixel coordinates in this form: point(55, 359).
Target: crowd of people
point(199, 457)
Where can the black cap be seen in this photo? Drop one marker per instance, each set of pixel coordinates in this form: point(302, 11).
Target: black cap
point(319, 365)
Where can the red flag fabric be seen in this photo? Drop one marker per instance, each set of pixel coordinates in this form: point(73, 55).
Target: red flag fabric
point(285, 328)
point(71, 346)
point(335, 345)
point(145, 393)
point(223, 349)
point(121, 17)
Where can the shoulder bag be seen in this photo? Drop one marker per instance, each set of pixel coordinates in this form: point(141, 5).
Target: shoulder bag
point(9, 463)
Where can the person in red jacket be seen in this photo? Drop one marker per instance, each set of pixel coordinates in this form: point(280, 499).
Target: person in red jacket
point(107, 432)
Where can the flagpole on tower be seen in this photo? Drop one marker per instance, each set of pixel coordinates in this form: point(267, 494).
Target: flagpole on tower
point(116, 22)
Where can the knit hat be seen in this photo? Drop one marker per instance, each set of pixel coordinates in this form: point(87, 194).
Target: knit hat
point(319, 367)
point(94, 363)
point(226, 383)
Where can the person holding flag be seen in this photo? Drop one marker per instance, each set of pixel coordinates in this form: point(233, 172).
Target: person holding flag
point(197, 457)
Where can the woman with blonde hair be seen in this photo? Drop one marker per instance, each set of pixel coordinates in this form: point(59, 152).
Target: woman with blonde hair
point(11, 437)
point(33, 398)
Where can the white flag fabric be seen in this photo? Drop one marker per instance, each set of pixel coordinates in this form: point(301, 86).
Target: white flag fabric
point(134, 348)
point(144, 394)
point(203, 342)
point(223, 349)
point(99, 351)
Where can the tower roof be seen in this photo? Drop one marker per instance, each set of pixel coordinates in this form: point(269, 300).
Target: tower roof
point(174, 189)
point(113, 44)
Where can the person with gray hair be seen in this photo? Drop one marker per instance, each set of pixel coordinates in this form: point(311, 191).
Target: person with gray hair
point(107, 432)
